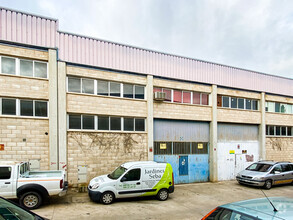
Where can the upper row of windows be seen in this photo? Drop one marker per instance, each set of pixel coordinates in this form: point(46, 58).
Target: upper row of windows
point(106, 88)
point(21, 67)
point(279, 107)
point(237, 103)
point(180, 96)
point(23, 107)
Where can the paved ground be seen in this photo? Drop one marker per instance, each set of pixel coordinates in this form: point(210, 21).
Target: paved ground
point(189, 201)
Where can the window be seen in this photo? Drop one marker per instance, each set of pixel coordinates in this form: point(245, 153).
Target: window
point(271, 106)
point(271, 130)
point(233, 102)
point(156, 89)
point(240, 103)
point(103, 88)
point(168, 95)
point(196, 98)
point(177, 96)
point(127, 91)
point(199, 148)
point(128, 124)
point(88, 86)
point(26, 108)
point(278, 130)
point(226, 102)
point(132, 175)
point(187, 97)
point(114, 89)
point(286, 167)
point(74, 121)
point(8, 65)
point(283, 108)
point(9, 106)
point(139, 92)
point(74, 84)
point(40, 69)
point(283, 131)
point(26, 68)
point(5, 173)
point(204, 99)
point(103, 122)
point(289, 131)
point(41, 109)
point(115, 123)
point(248, 104)
point(88, 122)
point(277, 107)
point(181, 147)
point(139, 124)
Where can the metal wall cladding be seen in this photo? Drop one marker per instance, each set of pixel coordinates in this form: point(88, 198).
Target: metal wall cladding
point(27, 29)
point(237, 132)
point(181, 131)
point(41, 31)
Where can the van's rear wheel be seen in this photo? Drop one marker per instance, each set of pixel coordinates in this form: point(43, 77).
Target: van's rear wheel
point(30, 200)
point(163, 195)
point(107, 198)
point(268, 184)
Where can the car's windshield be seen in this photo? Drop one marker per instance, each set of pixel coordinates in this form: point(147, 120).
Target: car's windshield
point(260, 167)
point(117, 173)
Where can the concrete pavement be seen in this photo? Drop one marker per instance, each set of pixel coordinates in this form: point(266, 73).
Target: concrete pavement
point(189, 201)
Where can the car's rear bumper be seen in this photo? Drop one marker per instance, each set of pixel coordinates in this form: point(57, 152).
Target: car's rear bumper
point(65, 188)
point(171, 189)
point(250, 181)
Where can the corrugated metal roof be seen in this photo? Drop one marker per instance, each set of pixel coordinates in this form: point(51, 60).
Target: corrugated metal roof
point(40, 31)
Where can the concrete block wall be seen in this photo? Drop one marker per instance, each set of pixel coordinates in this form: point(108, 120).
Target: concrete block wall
point(102, 152)
point(238, 116)
point(279, 148)
point(25, 139)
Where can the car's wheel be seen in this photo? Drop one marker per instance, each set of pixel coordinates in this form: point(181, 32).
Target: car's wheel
point(268, 184)
point(107, 198)
point(30, 200)
point(163, 195)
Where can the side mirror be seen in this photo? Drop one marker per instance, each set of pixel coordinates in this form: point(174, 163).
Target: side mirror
point(123, 179)
point(277, 172)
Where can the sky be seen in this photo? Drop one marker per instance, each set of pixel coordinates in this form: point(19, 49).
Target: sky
point(250, 34)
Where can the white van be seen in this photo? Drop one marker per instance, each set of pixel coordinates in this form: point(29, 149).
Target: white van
point(132, 179)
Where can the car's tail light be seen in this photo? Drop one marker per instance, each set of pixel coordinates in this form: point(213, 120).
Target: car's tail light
point(61, 184)
point(206, 216)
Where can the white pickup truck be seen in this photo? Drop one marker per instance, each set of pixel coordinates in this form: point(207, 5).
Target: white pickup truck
point(30, 187)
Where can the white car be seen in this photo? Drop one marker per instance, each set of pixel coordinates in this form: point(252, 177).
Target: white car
point(30, 187)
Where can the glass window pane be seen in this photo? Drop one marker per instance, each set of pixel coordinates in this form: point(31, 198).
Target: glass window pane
point(271, 107)
point(128, 124)
point(40, 70)
point(289, 131)
point(41, 109)
point(156, 89)
point(254, 105)
point(196, 98)
point(278, 130)
point(186, 97)
point(103, 123)
point(277, 107)
point(132, 175)
point(5, 173)
point(115, 123)
point(88, 122)
point(8, 106)
point(271, 130)
point(127, 91)
point(248, 104)
point(114, 89)
point(139, 92)
point(74, 121)
point(8, 65)
point(168, 94)
point(139, 124)
point(26, 68)
point(267, 130)
point(103, 88)
point(240, 103)
point(73, 84)
point(289, 109)
point(26, 108)
point(204, 99)
point(177, 96)
point(283, 108)
point(88, 86)
point(283, 131)
point(233, 102)
point(226, 101)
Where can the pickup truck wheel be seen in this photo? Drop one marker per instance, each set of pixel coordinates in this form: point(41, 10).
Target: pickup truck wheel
point(163, 195)
point(31, 200)
point(107, 198)
point(268, 184)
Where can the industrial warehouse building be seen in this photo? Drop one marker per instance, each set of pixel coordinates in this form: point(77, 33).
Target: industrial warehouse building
point(86, 105)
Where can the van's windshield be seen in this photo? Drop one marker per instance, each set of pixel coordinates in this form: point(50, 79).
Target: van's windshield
point(260, 167)
point(117, 173)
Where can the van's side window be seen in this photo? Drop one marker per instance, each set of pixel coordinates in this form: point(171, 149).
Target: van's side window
point(5, 173)
point(133, 175)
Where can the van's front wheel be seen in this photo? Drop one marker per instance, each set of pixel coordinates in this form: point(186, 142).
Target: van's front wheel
point(107, 198)
point(163, 195)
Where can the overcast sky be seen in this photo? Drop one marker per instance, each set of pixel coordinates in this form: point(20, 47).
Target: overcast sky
point(250, 34)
